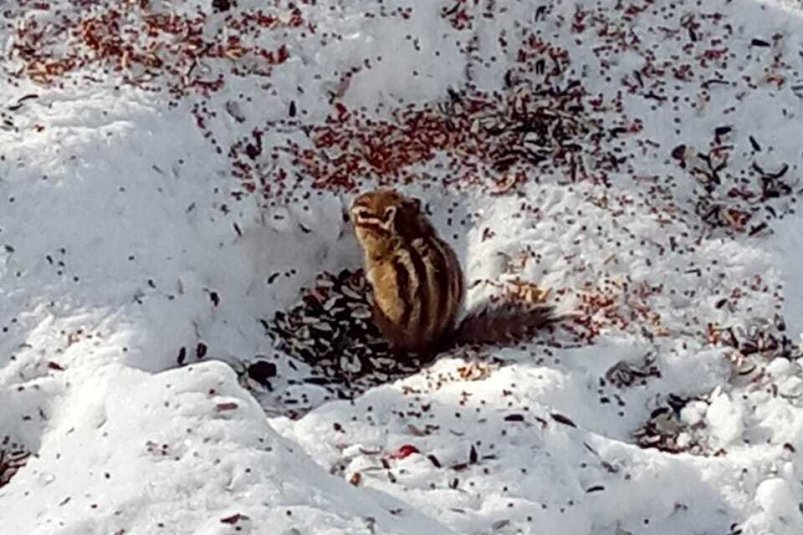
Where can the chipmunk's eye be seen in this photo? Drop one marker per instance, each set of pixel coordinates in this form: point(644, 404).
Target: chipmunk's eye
point(360, 212)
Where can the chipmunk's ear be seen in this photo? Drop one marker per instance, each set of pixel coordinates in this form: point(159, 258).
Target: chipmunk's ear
point(389, 216)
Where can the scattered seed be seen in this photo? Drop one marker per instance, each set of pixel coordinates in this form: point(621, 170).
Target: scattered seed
point(562, 419)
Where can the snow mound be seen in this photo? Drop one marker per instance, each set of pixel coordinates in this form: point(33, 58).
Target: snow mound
point(173, 174)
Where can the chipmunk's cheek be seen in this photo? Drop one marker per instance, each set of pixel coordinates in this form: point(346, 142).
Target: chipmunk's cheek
point(364, 236)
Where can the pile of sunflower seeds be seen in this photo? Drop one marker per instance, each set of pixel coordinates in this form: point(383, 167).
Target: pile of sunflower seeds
point(665, 430)
point(331, 331)
point(13, 456)
point(624, 374)
point(754, 347)
point(531, 125)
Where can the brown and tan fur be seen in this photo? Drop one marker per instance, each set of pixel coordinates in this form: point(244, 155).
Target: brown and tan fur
point(418, 284)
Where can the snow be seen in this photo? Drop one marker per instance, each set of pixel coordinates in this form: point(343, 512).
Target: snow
point(207, 453)
point(128, 240)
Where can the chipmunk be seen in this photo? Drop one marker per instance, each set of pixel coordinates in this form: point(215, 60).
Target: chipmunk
point(418, 284)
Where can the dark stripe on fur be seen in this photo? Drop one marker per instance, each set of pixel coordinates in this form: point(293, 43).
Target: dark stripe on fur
point(403, 289)
point(422, 293)
point(458, 286)
point(440, 285)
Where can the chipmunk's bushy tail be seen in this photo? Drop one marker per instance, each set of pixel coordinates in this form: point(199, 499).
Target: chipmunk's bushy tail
point(508, 323)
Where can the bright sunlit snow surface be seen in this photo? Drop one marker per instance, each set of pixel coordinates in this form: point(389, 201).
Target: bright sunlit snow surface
point(172, 174)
